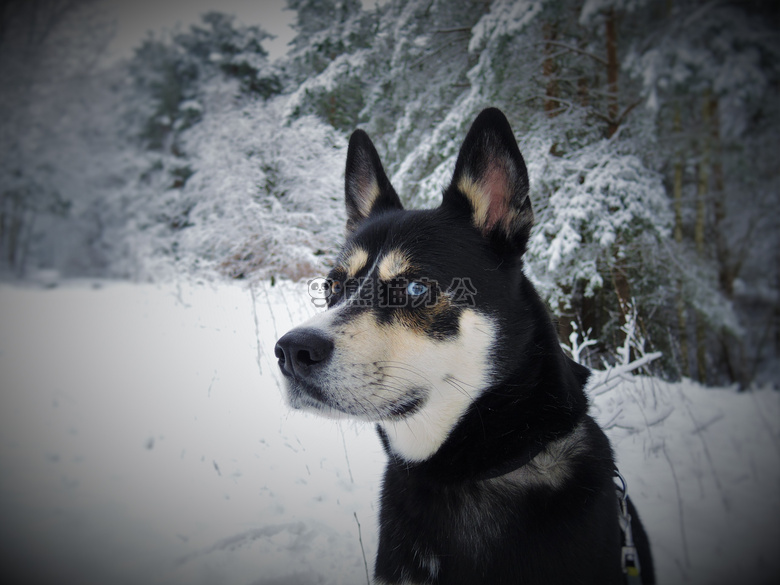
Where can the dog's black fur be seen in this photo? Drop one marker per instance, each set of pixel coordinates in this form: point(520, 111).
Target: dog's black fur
point(521, 489)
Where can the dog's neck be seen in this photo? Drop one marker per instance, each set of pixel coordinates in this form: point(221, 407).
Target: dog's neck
point(471, 452)
point(457, 377)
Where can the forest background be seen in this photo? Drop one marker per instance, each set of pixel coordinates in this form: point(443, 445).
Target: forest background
point(650, 131)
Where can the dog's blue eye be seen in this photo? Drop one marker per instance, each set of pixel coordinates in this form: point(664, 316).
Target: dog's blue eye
point(416, 289)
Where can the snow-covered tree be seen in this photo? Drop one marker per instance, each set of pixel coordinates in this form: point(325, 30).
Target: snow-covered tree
point(45, 69)
point(229, 185)
point(710, 79)
point(649, 131)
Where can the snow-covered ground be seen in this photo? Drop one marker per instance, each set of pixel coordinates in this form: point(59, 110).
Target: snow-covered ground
point(143, 439)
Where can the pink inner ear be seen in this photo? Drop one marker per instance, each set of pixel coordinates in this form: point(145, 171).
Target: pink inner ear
point(495, 185)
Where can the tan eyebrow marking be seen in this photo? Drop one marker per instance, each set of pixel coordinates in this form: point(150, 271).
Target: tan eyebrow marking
point(394, 263)
point(355, 261)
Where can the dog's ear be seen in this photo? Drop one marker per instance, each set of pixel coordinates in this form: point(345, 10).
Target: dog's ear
point(367, 188)
point(491, 182)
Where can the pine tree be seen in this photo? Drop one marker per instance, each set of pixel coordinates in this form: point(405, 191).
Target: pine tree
point(649, 132)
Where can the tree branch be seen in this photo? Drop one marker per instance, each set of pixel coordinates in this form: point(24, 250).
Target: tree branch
point(627, 111)
point(452, 30)
point(574, 50)
point(569, 105)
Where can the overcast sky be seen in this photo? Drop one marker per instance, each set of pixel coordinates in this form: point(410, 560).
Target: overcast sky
point(135, 17)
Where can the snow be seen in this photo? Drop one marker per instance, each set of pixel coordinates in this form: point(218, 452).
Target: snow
point(144, 439)
point(506, 17)
point(703, 468)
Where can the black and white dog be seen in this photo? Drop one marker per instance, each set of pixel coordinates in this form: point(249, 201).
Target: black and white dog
point(496, 473)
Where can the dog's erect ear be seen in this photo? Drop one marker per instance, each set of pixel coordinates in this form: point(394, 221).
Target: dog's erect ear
point(491, 182)
point(368, 190)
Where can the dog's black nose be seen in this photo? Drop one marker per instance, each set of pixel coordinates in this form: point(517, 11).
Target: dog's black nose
point(301, 350)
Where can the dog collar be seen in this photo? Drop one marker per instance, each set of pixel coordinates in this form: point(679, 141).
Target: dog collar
point(512, 464)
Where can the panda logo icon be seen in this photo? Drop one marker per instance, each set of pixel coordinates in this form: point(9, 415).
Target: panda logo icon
point(319, 291)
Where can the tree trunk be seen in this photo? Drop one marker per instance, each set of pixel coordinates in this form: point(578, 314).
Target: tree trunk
point(727, 268)
point(682, 318)
point(24, 247)
point(564, 323)
point(549, 70)
point(682, 324)
point(777, 298)
point(623, 294)
point(13, 240)
point(701, 348)
point(613, 68)
point(678, 204)
point(3, 229)
point(726, 272)
point(702, 188)
point(582, 91)
point(701, 205)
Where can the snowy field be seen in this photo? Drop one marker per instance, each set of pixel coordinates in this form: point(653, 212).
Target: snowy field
point(143, 439)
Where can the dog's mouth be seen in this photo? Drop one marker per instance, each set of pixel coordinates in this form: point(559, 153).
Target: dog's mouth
point(303, 395)
point(407, 406)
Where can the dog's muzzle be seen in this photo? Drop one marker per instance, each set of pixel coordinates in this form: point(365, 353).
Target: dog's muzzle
point(302, 353)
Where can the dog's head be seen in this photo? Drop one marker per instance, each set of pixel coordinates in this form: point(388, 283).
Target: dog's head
point(421, 301)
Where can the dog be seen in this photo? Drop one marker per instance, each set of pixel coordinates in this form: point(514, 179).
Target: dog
point(496, 473)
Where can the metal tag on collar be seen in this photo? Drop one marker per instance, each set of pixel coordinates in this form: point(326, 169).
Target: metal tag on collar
point(629, 559)
point(630, 563)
